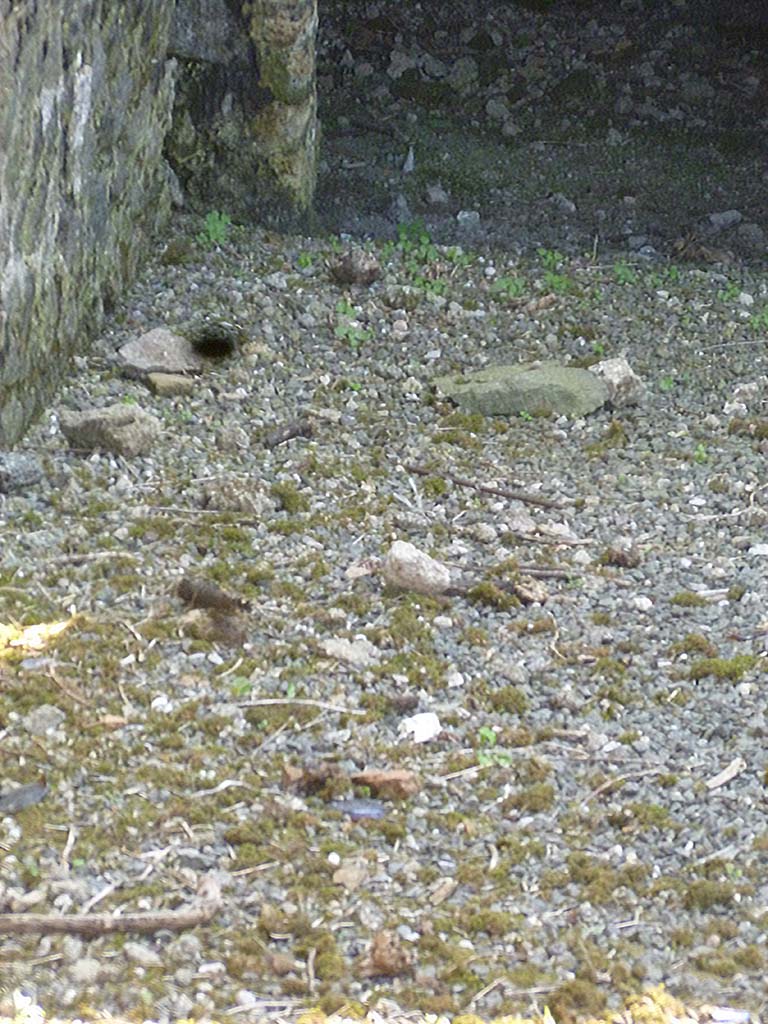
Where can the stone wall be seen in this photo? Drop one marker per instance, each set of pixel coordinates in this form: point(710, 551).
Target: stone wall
point(88, 92)
point(86, 95)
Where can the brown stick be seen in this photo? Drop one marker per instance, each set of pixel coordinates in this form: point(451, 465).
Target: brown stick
point(105, 924)
point(299, 428)
point(207, 905)
point(501, 492)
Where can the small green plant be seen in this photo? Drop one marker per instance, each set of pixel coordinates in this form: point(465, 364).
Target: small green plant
point(559, 284)
point(348, 328)
point(215, 228)
point(526, 416)
point(550, 258)
point(667, 383)
point(240, 686)
point(759, 321)
point(507, 287)
point(456, 255)
point(305, 260)
point(345, 308)
point(598, 348)
point(700, 454)
point(487, 738)
point(413, 240)
point(623, 273)
point(729, 292)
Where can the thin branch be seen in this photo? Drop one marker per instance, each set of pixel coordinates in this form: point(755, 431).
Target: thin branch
point(90, 556)
point(107, 924)
point(301, 703)
point(500, 492)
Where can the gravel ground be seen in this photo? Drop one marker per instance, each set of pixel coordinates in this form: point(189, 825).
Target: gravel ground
point(568, 836)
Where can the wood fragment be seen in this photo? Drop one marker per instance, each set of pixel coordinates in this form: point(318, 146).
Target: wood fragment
point(299, 702)
point(501, 492)
point(736, 767)
point(108, 924)
point(297, 428)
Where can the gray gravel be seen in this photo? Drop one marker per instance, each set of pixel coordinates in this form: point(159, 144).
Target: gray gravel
point(573, 838)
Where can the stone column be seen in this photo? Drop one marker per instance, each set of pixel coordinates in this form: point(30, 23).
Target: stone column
point(284, 33)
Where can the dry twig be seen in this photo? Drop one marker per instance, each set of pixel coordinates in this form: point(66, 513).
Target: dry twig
point(107, 924)
point(500, 492)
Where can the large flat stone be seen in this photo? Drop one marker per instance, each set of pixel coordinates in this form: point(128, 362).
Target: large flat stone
point(124, 429)
point(545, 388)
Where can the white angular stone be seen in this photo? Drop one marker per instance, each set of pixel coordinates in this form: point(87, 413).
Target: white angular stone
point(407, 567)
point(624, 386)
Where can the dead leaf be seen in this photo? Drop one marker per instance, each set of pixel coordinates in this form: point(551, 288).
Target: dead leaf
point(536, 305)
point(311, 778)
point(109, 722)
point(442, 890)
point(387, 955)
point(355, 267)
point(391, 784)
point(351, 875)
point(213, 625)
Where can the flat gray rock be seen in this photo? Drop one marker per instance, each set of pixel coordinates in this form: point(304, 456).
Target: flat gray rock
point(159, 351)
point(123, 429)
point(544, 388)
point(18, 471)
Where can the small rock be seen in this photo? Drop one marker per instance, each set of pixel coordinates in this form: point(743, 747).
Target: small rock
point(436, 195)
point(357, 808)
point(485, 533)
point(18, 471)
point(724, 220)
point(20, 797)
point(245, 998)
point(530, 590)
point(407, 567)
point(752, 236)
point(123, 429)
point(468, 218)
point(43, 720)
point(160, 351)
point(167, 385)
point(643, 604)
point(85, 971)
point(624, 386)
point(231, 494)
point(422, 727)
point(141, 954)
point(359, 653)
